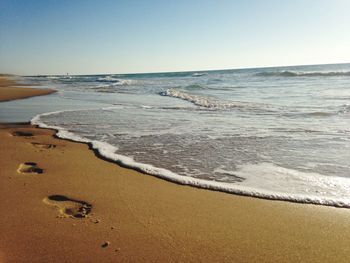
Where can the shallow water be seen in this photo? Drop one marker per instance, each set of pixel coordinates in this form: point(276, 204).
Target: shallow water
point(280, 133)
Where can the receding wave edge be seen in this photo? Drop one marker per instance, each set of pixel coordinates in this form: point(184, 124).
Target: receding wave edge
point(108, 152)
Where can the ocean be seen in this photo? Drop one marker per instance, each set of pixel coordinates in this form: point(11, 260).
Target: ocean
point(278, 133)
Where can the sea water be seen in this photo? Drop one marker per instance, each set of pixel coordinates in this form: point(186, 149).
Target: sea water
point(278, 133)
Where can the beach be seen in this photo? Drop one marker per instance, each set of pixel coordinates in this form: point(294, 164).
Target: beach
point(62, 203)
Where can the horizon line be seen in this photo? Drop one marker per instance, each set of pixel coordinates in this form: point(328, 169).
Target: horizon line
point(185, 71)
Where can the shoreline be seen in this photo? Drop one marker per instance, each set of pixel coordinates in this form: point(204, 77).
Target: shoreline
point(169, 176)
point(137, 217)
point(171, 217)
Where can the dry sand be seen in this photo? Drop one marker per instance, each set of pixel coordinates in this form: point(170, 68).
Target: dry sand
point(60, 203)
point(10, 90)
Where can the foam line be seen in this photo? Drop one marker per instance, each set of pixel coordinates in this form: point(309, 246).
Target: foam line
point(109, 152)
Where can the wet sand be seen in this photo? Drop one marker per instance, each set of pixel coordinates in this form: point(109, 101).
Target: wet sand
point(10, 90)
point(61, 203)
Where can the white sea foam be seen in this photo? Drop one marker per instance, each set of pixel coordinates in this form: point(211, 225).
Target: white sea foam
point(287, 73)
point(201, 101)
point(116, 81)
point(197, 74)
point(263, 180)
point(125, 82)
point(289, 181)
point(53, 77)
point(107, 78)
point(216, 104)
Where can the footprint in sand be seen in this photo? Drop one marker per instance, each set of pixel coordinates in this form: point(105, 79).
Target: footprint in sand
point(22, 134)
point(69, 207)
point(43, 145)
point(29, 168)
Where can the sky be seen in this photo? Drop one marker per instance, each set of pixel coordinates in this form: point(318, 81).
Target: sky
point(91, 37)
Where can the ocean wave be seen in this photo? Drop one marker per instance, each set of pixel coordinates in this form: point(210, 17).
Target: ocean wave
point(56, 77)
point(260, 174)
point(288, 73)
point(53, 77)
point(198, 100)
point(125, 82)
point(111, 86)
point(215, 104)
point(107, 79)
point(199, 74)
point(72, 78)
point(115, 81)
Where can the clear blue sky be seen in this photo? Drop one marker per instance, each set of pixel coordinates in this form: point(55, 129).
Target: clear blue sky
point(86, 37)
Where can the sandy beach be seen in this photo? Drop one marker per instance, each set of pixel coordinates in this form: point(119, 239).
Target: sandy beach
point(61, 203)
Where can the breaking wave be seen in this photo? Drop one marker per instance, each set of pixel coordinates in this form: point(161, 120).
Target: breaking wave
point(115, 81)
point(107, 79)
point(199, 74)
point(214, 103)
point(287, 73)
